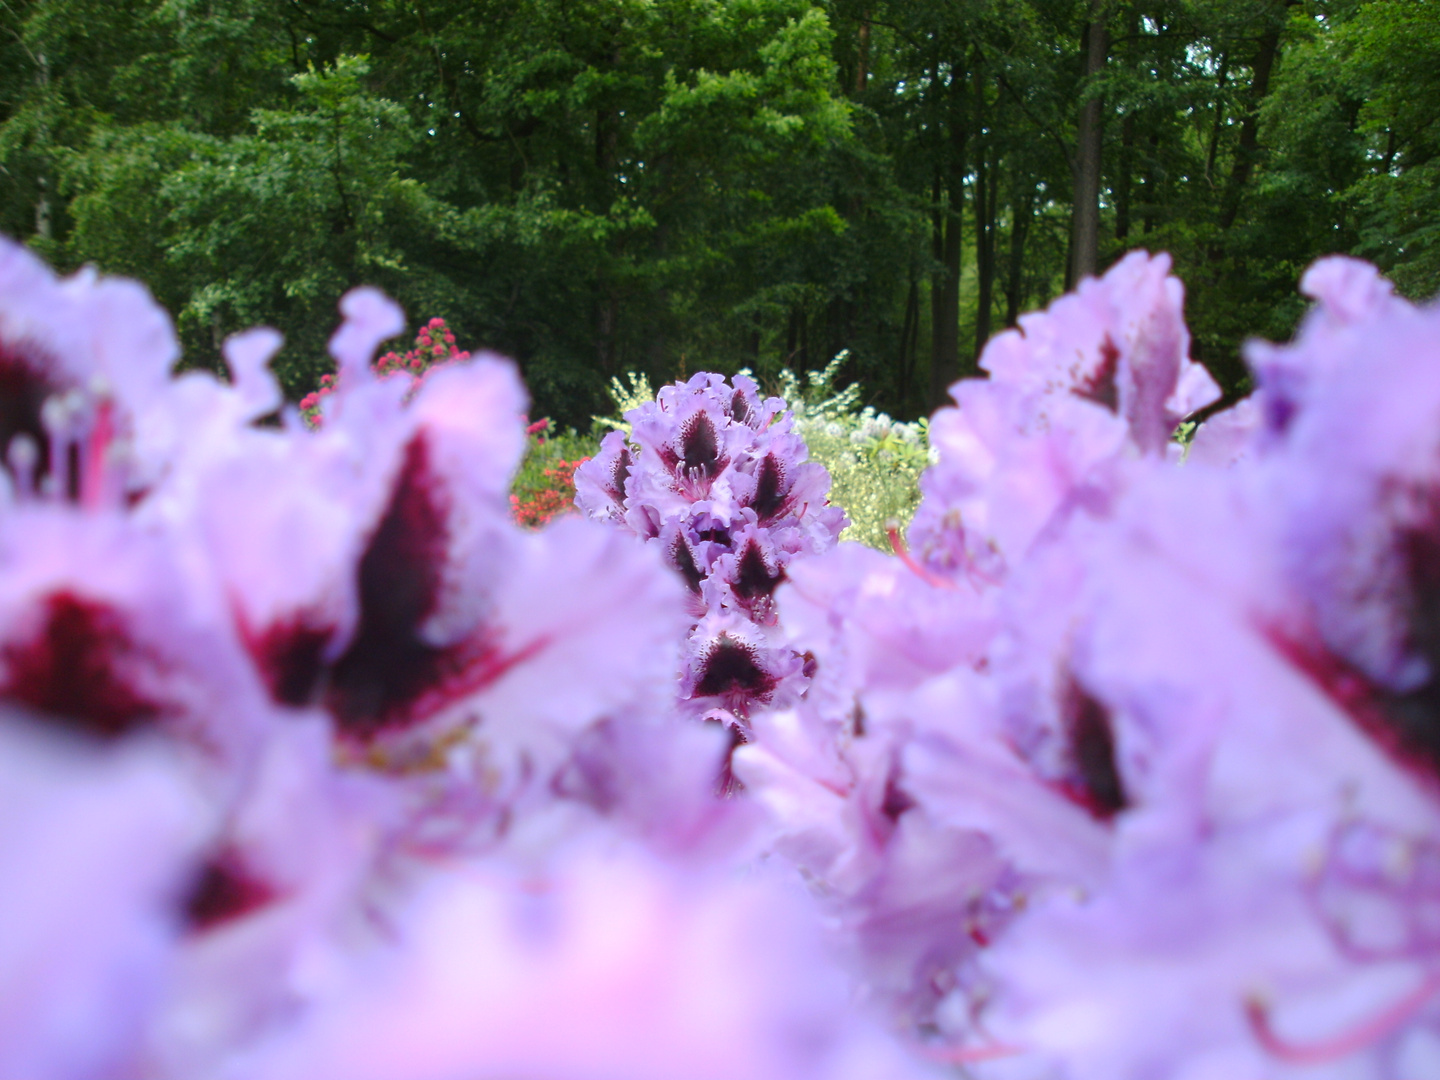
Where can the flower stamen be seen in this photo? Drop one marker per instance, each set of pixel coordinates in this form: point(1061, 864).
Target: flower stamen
point(897, 545)
point(1257, 1014)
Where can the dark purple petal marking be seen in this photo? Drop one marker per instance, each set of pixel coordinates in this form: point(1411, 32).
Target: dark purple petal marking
point(683, 559)
point(753, 577)
point(390, 678)
point(223, 892)
point(290, 656)
point(388, 666)
point(1096, 784)
point(699, 446)
point(22, 395)
point(726, 782)
point(1101, 387)
point(732, 668)
point(770, 488)
point(1406, 725)
point(739, 407)
point(619, 473)
point(74, 669)
point(1416, 715)
point(896, 800)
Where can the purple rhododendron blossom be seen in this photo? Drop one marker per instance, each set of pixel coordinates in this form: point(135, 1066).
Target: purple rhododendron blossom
point(714, 477)
point(1139, 779)
point(313, 763)
point(619, 967)
point(96, 843)
point(1100, 376)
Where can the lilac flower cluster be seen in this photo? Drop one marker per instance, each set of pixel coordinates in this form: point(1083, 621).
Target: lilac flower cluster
point(1131, 770)
point(313, 764)
point(715, 477)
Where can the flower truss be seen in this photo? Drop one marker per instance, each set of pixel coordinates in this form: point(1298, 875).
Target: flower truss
point(313, 763)
point(713, 476)
point(1130, 769)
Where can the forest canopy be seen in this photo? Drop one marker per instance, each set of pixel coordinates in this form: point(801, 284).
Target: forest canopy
point(665, 186)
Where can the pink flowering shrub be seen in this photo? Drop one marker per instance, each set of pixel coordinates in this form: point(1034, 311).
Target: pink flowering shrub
point(544, 485)
point(315, 763)
point(557, 498)
point(434, 345)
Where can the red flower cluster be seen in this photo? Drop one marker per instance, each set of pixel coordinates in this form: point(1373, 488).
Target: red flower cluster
point(541, 507)
point(434, 345)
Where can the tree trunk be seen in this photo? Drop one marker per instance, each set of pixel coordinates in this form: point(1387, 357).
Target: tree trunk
point(1085, 220)
point(1022, 210)
point(987, 181)
point(42, 203)
point(606, 312)
point(862, 59)
point(1127, 171)
point(945, 290)
point(1248, 151)
point(1219, 121)
point(909, 332)
point(1147, 208)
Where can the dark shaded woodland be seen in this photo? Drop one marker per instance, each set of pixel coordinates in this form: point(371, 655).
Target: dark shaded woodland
point(596, 186)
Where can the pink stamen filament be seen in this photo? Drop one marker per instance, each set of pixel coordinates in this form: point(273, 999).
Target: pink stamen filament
point(93, 472)
point(1257, 1013)
point(970, 1055)
point(897, 545)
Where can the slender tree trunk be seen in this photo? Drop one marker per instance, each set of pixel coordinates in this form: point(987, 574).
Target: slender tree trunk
point(1022, 209)
point(945, 305)
point(909, 334)
point(1248, 150)
point(1127, 134)
point(606, 316)
point(1127, 170)
point(1147, 208)
point(1085, 221)
point(1219, 121)
point(987, 182)
point(42, 202)
point(862, 59)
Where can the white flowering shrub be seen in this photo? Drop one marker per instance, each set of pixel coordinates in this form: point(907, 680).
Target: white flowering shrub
point(874, 462)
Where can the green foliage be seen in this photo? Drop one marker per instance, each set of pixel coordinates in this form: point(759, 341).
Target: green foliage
point(545, 451)
point(665, 186)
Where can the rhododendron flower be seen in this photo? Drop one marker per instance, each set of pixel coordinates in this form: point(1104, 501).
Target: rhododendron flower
point(96, 844)
point(83, 364)
point(716, 479)
point(1101, 374)
point(595, 968)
